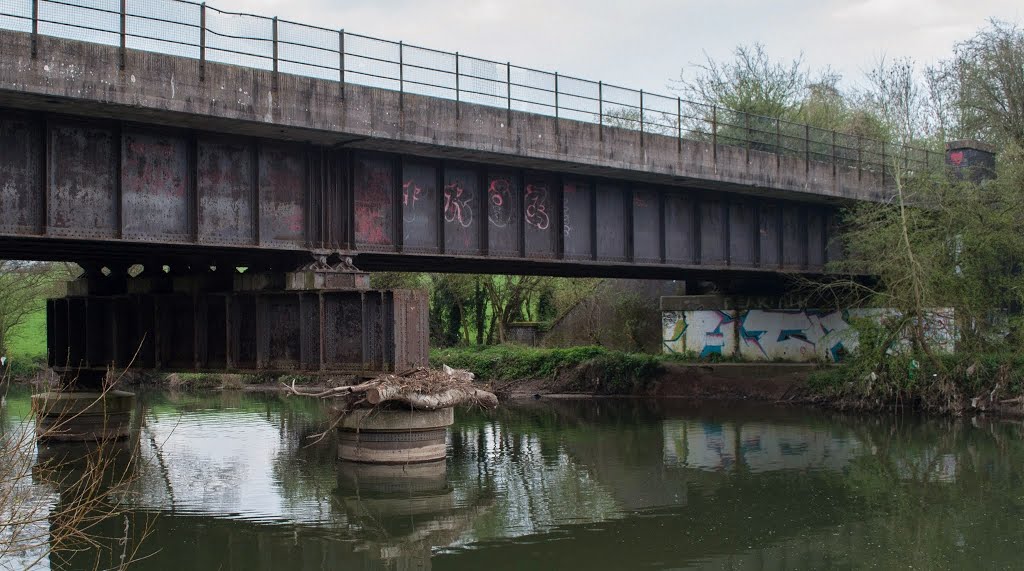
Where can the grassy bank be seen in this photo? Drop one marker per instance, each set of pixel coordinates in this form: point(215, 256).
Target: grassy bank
point(580, 369)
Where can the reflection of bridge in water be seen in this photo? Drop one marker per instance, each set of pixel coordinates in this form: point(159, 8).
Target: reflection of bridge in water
point(570, 482)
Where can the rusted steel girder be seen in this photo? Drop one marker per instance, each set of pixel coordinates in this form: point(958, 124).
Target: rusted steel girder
point(98, 190)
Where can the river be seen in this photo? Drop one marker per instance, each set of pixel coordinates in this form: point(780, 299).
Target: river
point(230, 481)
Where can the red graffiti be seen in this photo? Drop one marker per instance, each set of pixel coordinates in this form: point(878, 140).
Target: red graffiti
point(457, 206)
point(536, 207)
point(956, 157)
point(410, 190)
point(639, 201)
point(373, 208)
point(499, 198)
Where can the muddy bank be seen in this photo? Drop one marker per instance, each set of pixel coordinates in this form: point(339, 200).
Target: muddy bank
point(703, 381)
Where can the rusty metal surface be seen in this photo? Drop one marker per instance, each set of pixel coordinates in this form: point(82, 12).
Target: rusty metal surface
point(168, 195)
point(373, 187)
point(226, 191)
point(21, 211)
point(282, 202)
point(83, 181)
point(154, 182)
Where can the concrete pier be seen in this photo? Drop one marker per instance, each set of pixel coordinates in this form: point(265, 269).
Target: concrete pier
point(394, 436)
point(83, 416)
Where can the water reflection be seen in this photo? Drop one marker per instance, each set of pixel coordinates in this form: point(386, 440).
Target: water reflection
point(235, 484)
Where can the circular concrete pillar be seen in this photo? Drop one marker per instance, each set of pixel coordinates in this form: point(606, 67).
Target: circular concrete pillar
point(83, 416)
point(394, 436)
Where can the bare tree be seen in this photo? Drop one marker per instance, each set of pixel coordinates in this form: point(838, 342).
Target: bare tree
point(53, 508)
point(984, 80)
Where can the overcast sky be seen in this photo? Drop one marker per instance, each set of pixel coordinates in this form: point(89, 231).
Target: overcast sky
point(645, 43)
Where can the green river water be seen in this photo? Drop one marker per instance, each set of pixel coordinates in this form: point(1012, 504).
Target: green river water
point(227, 482)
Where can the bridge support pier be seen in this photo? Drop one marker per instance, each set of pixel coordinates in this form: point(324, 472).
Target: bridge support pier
point(309, 321)
point(85, 416)
point(394, 436)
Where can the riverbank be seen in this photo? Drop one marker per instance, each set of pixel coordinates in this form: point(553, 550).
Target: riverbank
point(950, 386)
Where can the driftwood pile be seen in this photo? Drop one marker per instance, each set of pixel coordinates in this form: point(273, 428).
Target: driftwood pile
point(419, 389)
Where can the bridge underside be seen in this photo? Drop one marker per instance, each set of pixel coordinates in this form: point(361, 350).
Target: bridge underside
point(110, 192)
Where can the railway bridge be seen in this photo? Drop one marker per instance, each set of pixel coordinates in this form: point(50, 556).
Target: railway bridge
point(155, 132)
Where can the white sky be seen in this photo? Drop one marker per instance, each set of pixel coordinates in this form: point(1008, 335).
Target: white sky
point(644, 43)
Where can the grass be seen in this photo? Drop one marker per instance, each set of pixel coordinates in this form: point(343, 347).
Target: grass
point(26, 348)
point(624, 372)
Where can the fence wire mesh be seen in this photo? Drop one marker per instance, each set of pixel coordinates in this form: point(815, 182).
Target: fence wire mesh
point(189, 29)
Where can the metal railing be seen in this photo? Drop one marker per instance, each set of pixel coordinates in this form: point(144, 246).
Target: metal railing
point(195, 30)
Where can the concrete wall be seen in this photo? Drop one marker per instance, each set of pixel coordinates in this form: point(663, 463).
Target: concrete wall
point(780, 334)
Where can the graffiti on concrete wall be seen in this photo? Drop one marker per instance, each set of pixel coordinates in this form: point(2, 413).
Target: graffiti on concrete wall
point(707, 333)
point(794, 335)
point(785, 335)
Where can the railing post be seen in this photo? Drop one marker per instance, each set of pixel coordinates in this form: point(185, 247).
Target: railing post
point(124, 21)
point(341, 60)
point(746, 125)
point(401, 75)
point(679, 124)
point(508, 89)
point(600, 110)
point(860, 158)
point(641, 117)
point(457, 95)
point(778, 145)
point(275, 43)
point(202, 42)
point(35, 28)
point(835, 171)
point(714, 133)
point(556, 95)
point(807, 148)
